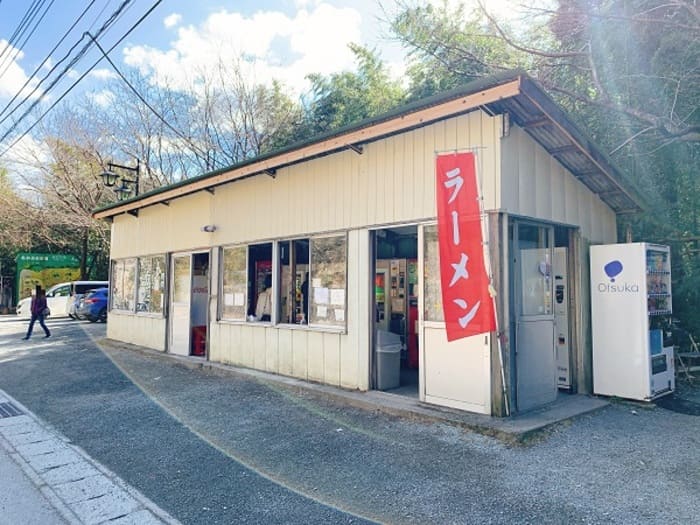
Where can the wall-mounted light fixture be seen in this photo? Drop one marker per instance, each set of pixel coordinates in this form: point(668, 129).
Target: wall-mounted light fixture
point(209, 228)
point(127, 186)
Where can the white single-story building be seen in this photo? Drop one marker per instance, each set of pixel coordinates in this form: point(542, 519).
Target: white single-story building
point(320, 261)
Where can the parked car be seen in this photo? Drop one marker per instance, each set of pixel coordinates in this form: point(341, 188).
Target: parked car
point(93, 305)
point(58, 297)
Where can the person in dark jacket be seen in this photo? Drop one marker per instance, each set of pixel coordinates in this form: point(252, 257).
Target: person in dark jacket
point(37, 309)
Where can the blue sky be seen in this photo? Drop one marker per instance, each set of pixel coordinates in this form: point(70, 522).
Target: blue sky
point(280, 39)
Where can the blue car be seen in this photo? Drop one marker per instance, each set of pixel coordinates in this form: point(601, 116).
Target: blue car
point(93, 305)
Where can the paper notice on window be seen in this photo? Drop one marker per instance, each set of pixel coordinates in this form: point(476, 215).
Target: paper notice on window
point(321, 295)
point(338, 296)
point(228, 299)
point(339, 314)
point(321, 312)
point(238, 299)
point(316, 283)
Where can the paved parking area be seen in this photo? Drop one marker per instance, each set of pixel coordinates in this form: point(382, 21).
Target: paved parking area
point(215, 447)
point(79, 489)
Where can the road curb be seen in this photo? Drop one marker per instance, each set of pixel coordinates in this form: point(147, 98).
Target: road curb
point(69, 510)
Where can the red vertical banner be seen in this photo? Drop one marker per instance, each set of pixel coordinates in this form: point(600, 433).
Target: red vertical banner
point(466, 302)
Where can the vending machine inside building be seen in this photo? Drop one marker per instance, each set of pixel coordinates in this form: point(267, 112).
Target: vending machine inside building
point(630, 306)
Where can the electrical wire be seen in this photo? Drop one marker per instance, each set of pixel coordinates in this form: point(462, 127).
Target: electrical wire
point(145, 102)
point(33, 75)
point(58, 63)
point(60, 76)
point(24, 43)
point(20, 32)
point(74, 84)
point(11, 41)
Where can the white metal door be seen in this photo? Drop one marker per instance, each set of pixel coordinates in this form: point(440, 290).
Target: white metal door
point(534, 344)
point(180, 297)
point(454, 374)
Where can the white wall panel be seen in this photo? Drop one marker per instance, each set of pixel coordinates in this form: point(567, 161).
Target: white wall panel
point(285, 353)
point(544, 184)
point(137, 329)
point(300, 354)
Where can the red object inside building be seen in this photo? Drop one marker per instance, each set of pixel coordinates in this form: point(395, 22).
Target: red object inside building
point(199, 340)
point(412, 337)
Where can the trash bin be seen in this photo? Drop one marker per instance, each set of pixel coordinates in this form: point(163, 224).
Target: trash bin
point(388, 352)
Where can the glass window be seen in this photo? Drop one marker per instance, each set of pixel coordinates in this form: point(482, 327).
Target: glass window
point(534, 247)
point(151, 284)
point(63, 291)
point(327, 302)
point(234, 283)
point(260, 293)
point(124, 284)
point(431, 275)
point(293, 302)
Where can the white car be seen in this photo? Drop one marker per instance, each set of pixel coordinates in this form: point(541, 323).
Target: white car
point(60, 297)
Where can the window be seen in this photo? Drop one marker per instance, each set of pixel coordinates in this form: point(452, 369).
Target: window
point(63, 291)
point(310, 282)
point(123, 284)
point(234, 283)
point(260, 293)
point(246, 283)
point(293, 301)
point(431, 275)
point(151, 285)
point(328, 281)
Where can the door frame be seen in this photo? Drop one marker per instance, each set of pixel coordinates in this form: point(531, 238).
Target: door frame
point(372, 263)
point(171, 290)
point(516, 306)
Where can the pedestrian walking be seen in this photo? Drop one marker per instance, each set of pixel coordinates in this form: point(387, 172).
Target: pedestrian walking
point(39, 310)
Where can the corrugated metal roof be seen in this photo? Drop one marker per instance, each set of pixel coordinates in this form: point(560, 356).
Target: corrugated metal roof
point(529, 107)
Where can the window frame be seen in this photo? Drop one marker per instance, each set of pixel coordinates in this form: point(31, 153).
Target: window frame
point(220, 301)
point(332, 326)
point(275, 322)
point(164, 289)
point(112, 297)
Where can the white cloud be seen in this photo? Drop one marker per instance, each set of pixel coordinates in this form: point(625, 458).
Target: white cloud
point(172, 20)
point(273, 44)
point(25, 155)
point(14, 77)
point(103, 74)
point(102, 98)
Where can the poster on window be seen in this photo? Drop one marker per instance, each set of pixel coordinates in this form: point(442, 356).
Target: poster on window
point(467, 304)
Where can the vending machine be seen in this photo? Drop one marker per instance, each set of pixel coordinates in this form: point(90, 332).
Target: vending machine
point(630, 305)
point(561, 318)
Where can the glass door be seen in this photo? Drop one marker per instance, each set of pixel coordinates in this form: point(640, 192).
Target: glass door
point(533, 292)
point(181, 279)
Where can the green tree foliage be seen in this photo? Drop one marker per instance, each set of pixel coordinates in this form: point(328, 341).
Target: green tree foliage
point(347, 97)
point(627, 70)
point(448, 47)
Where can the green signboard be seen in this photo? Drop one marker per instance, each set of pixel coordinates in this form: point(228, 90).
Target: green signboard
point(45, 270)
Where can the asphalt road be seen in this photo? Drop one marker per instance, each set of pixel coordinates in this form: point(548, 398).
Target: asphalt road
point(219, 448)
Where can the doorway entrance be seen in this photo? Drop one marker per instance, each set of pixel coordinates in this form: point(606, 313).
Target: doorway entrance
point(189, 304)
point(539, 311)
point(394, 305)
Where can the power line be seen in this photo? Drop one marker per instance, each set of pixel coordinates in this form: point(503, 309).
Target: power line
point(60, 76)
point(21, 28)
point(11, 41)
point(72, 86)
point(29, 79)
point(142, 99)
point(21, 47)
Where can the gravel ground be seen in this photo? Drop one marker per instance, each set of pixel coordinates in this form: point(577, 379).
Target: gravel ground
point(204, 440)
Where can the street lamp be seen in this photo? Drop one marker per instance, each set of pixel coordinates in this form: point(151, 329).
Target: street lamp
point(124, 191)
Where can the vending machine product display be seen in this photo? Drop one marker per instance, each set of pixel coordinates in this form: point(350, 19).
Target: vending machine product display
point(631, 303)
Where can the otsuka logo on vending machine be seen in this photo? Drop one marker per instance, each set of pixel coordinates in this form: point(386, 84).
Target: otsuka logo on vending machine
point(613, 269)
